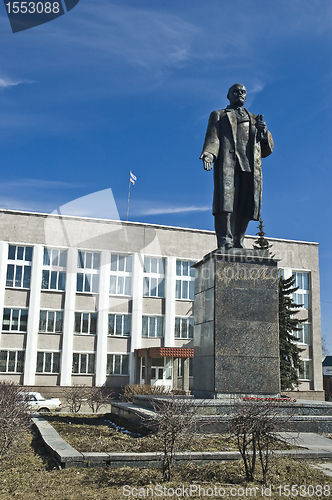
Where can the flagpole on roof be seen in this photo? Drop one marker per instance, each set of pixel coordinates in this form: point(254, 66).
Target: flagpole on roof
point(128, 199)
point(132, 180)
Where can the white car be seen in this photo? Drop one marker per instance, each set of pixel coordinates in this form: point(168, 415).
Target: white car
point(38, 403)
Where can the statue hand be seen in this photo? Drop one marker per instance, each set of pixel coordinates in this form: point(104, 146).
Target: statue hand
point(261, 127)
point(208, 159)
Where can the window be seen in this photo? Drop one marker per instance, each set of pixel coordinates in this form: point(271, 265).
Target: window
point(15, 320)
point(19, 270)
point(120, 279)
point(51, 321)
point(306, 370)
point(152, 326)
point(48, 362)
point(54, 269)
point(161, 368)
point(185, 280)
point(301, 296)
point(86, 323)
point(83, 363)
point(119, 324)
point(154, 271)
point(117, 364)
point(11, 361)
point(88, 279)
point(304, 334)
point(184, 328)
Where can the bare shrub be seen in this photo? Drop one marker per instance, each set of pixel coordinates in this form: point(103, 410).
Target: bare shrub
point(75, 395)
point(14, 416)
point(97, 398)
point(256, 425)
point(129, 391)
point(175, 419)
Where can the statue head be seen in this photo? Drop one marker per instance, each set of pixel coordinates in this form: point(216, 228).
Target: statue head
point(237, 95)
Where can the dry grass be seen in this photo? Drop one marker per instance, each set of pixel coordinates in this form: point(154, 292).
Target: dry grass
point(29, 476)
point(93, 434)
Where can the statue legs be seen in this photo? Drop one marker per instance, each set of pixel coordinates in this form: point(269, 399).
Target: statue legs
point(229, 231)
point(223, 228)
point(231, 227)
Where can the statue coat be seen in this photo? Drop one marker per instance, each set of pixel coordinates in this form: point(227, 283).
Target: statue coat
point(220, 140)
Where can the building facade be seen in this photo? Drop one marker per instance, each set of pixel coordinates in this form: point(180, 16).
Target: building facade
point(103, 302)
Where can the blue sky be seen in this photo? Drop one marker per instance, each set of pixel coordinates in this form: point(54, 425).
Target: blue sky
point(129, 84)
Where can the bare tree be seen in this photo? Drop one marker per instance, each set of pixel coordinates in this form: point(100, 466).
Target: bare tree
point(75, 395)
point(175, 419)
point(256, 426)
point(98, 398)
point(14, 416)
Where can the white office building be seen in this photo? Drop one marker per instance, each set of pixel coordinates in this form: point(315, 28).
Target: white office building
point(104, 302)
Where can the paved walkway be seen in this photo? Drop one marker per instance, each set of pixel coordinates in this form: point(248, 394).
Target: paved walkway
point(326, 468)
point(308, 440)
point(313, 442)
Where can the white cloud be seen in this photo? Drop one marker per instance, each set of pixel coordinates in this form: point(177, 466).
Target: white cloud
point(35, 195)
point(38, 183)
point(100, 204)
point(15, 203)
point(4, 83)
point(172, 210)
point(256, 88)
point(145, 38)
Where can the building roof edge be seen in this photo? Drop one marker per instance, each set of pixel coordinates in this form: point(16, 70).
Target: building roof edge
point(160, 226)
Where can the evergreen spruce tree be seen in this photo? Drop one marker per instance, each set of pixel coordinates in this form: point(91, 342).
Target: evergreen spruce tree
point(290, 361)
point(262, 243)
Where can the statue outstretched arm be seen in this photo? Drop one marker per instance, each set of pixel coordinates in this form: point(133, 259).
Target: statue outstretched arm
point(208, 159)
point(211, 143)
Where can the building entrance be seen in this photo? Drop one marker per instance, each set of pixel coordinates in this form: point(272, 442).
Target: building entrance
point(161, 371)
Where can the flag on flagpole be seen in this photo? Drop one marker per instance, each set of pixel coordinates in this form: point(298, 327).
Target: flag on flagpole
point(132, 178)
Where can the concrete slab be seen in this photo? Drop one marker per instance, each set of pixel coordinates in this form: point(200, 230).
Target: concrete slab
point(326, 468)
point(308, 440)
point(58, 447)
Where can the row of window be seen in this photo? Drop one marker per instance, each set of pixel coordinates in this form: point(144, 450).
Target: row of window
point(88, 265)
point(84, 364)
point(16, 320)
point(49, 362)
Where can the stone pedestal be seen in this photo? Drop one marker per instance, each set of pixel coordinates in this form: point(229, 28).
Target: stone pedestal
point(236, 337)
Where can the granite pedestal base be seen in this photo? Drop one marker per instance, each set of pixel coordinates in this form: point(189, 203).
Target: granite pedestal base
point(236, 325)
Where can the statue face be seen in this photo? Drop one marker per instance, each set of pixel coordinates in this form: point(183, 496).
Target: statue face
point(237, 95)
